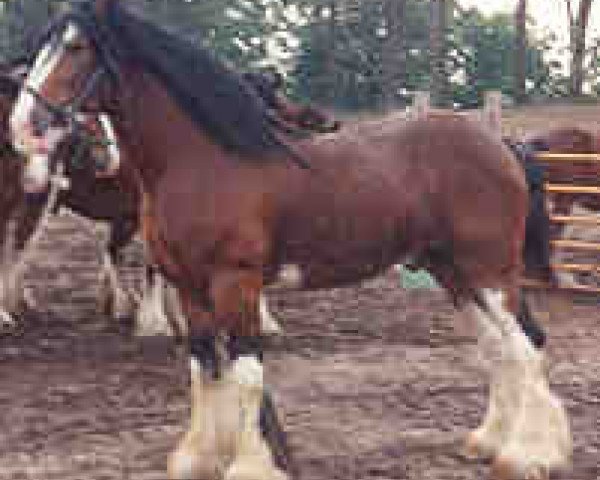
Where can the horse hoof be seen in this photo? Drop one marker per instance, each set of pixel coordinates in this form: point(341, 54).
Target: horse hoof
point(185, 466)
point(252, 467)
point(475, 449)
point(504, 468)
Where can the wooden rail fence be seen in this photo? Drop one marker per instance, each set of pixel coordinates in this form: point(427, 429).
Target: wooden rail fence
point(491, 115)
point(567, 163)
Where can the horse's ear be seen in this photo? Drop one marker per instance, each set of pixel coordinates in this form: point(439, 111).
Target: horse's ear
point(102, 7)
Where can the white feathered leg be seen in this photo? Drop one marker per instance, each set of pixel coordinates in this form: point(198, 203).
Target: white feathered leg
point(526, 427)
point(112, 299)
point(268, 324)
point(151, 318)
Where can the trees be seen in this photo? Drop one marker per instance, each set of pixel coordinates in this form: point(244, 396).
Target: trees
point(438, 52)
point(520, 50)
point(578, 24)
point(360, 54)
point(393, 53)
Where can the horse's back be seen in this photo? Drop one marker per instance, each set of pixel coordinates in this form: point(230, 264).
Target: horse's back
point(400, 187)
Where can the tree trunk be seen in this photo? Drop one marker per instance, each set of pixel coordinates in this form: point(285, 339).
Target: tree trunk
point(15, 16)
point(578, 27)
point(393, 54)
point(520, 92)
point(438, 21)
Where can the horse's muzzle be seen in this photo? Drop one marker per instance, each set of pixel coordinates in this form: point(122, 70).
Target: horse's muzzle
point(36, 176)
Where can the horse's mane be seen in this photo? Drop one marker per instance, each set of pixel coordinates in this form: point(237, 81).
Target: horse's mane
point(213, 95)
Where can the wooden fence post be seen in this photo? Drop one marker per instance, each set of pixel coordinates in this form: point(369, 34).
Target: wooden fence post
point(420, 105)
point(492, 111)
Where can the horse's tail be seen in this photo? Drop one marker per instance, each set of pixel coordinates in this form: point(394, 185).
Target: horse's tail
point(536, 249)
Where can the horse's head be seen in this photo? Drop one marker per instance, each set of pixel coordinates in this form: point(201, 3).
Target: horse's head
point(81, 67)
point(67, 79)
point(11, 77)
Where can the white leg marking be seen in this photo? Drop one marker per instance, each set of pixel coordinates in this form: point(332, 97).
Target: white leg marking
point(46, 61)
point(11, 287)
point(224, 441)
point(487, 439)
point(268, 324)
point(151, 318)
point(253, 459)
point(173, 310)
point(11, 280)
point(120, 304)
point(113, 300)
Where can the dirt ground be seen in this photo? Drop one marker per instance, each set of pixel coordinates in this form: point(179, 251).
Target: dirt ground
point(372, 381)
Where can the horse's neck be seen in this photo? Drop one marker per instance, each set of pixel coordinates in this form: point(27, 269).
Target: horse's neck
point(156, 135)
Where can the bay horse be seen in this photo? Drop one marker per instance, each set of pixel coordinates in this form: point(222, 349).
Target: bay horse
point(228, 200)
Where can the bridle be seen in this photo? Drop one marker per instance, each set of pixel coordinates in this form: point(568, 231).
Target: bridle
point(67, 113)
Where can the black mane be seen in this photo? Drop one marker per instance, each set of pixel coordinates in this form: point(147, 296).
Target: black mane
point(212, 94)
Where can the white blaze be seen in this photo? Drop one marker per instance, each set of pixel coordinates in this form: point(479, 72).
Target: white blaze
point(46, 61)
point(113, 150)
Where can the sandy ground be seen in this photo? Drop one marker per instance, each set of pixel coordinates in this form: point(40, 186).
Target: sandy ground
point(372, 381)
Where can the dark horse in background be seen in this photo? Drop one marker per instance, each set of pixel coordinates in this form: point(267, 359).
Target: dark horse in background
point(228, 200)
point(569, 140)
point(91, 192)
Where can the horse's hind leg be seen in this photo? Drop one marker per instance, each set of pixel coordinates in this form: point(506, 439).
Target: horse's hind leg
point(526, 427)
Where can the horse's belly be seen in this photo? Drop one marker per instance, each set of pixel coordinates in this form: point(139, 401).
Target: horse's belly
point(339, 253)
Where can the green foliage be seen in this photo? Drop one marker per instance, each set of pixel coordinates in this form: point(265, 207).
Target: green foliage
point(340, 59)
point(334, 50)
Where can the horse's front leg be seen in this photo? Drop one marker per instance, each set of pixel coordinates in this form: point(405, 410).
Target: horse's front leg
point(10, 285)
point(113, 299)
point(15, 299)
point(234, 433)
point(159, 311)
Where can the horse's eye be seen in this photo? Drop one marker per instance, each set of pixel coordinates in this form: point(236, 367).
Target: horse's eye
point(74, 47)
